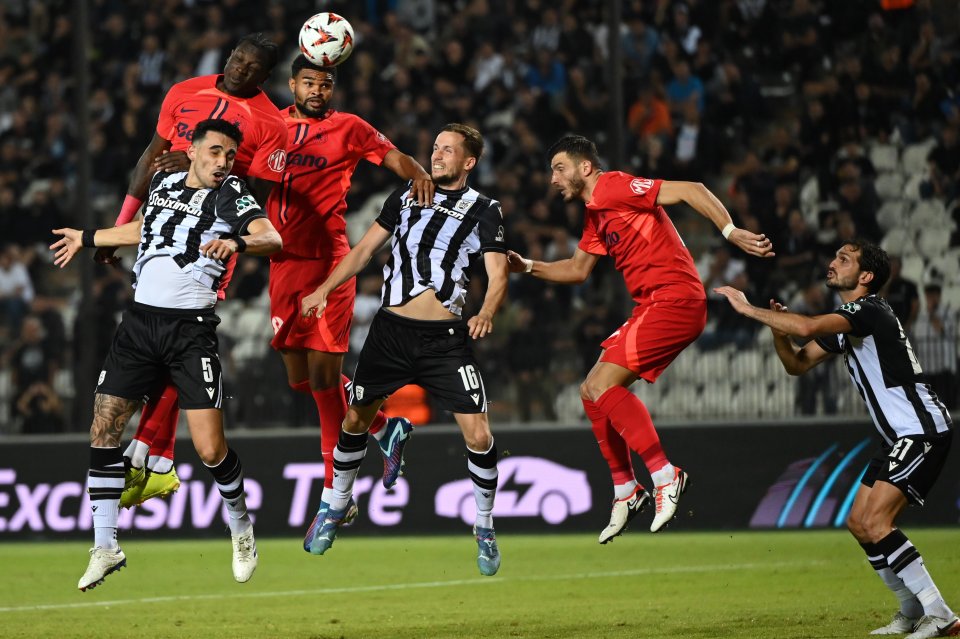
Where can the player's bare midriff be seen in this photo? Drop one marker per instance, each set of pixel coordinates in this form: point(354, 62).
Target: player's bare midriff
point(424, 306)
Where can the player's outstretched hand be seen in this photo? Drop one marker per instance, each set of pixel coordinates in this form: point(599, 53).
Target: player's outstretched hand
point(736, 298)
point(219, 249)
point(69, 244)
point(105, 255)
point(759, 245)
point(516, 262)
point(172, 162)
point(480, 325)
point(314, 304)
point(423, 189)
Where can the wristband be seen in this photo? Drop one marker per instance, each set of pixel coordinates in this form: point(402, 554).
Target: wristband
point(727, 230)
point(86, 238)
point(241, 244)
point(528, 264)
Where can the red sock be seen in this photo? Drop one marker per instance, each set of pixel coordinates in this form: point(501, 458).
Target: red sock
point(631, 419)
point(332, 405)
point(612, 446)
point(379, 420)
point(158, 422)
point(302, 387)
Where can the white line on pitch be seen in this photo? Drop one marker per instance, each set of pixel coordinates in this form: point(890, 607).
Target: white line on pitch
point(477, 581)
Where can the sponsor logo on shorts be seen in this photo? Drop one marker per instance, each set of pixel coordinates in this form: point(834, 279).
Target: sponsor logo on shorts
point(102, 375)
point(277, 324)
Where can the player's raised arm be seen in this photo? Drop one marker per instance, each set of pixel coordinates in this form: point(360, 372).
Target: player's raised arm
point(353, 263)
point(262, 239)
point(409, 169)
point(573, 270)
point(706, 204)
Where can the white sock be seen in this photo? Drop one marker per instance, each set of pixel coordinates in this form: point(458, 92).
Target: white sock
point(137, 453)
point(159, 464)
point(482, 468)
point(664, 476)
point(622, 491)
point(228, 475)
point(347, 457)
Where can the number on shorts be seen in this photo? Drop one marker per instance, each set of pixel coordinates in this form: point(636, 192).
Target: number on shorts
point(469, 376)
point(207, 369)
point(905, 444)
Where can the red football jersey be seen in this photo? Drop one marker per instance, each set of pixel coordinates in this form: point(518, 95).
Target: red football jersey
point(322, 154)
point(624, 221)
point(262, 154)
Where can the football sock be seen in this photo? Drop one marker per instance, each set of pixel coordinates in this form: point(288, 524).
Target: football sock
point(104, 485)
point(332, 406)
point(907, 564)
point(159, 423)
point(664, 476)
point(483, 472)
point(612, 446)
point(137, 453)
point(159, 464)
point(379, 420)
point(228, 475)
point(347, 457)
point(909, 604)
point(631, 419)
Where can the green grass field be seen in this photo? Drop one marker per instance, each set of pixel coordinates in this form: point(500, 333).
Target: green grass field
point(778, 585)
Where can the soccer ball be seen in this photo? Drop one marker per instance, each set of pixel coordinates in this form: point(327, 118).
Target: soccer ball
point(326, 39)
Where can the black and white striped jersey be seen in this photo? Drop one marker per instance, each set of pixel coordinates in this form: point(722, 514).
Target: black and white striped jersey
point(178, 220)
point(882, 365)
point(432, 247)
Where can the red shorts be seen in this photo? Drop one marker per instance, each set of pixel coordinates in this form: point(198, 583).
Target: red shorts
point(293, 278)
point(654, 335)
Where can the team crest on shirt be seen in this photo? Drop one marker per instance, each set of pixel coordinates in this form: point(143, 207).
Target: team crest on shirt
point(462, 205)
point(641, 185)
point(850, 307)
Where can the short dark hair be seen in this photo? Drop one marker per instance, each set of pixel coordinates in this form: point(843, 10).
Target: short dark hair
point(576, 146)
point(228, 129)
point(472, 140)
point(874, 260)
point(266, 47)
point(301, 62)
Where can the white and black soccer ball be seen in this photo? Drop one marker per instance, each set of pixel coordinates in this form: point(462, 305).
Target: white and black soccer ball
point(326, 39)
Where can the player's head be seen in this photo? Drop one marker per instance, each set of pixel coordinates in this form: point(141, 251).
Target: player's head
point(573, 160)
point(312, 86)
point(859, 263)
point(213, 151)
point(250, 64)
point(456, 151)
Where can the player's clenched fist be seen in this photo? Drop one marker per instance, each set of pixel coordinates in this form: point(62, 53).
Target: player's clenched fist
point(314, 304)
point(219, 249)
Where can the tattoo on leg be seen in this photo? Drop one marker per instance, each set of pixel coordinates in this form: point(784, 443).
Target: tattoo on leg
point(110, 416)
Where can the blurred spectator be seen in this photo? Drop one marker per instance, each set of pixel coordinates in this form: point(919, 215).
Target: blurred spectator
point(725, 326)
point(944, 163)
point(935, 334)
point(528, 356)
point(16, 288)
point(31, 363)
point(684, 88)
point(901, 294)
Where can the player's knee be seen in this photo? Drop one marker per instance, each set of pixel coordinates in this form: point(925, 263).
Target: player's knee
point(478, 441)
point(590, 391)
point(855, 527)
point(211, 453)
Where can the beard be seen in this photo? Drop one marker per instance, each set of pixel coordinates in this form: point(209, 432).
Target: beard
point(576, 186)
point(838, 284)
point(310, 112)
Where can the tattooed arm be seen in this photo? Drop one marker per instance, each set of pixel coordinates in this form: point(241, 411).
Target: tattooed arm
point(110, 416)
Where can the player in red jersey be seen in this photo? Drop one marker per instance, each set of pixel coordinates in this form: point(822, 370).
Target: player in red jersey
point(234, 95)
point(625, 219)
point(324, 147)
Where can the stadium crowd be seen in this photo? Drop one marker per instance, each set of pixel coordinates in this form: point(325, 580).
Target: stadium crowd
point(817, 121)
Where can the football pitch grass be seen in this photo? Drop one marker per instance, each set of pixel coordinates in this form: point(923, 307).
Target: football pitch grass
point(675, 584)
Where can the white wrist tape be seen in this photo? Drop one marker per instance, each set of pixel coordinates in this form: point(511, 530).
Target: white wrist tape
point(529, 265)
point(727, 230)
